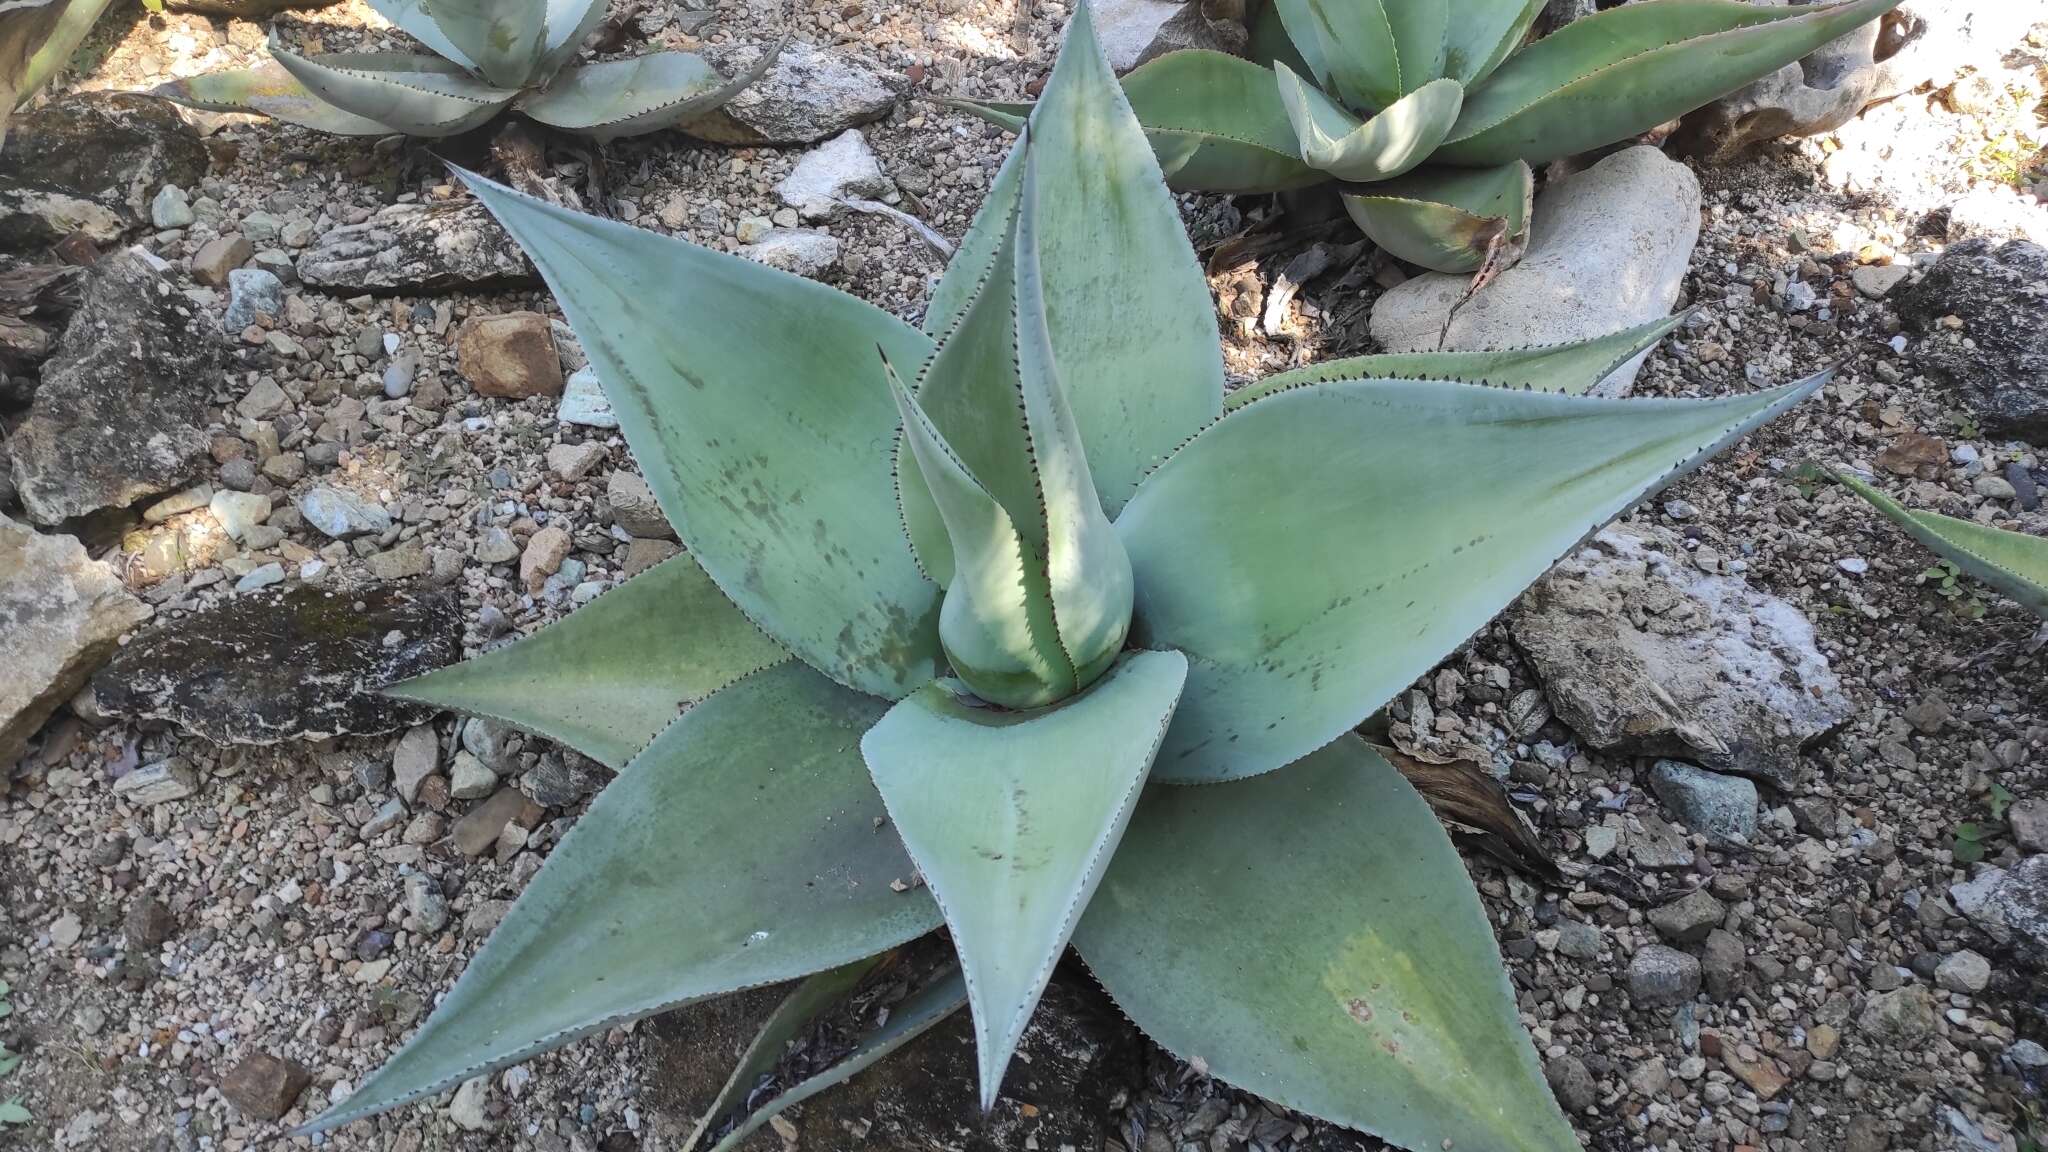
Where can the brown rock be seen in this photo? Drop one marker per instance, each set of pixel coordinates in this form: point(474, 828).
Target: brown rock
point(479, 827)
point(544, 554)
point(148, 925)
point(1754, 1069)
point(263, 1087)
point(220, 256)
point(511, 356)
point(644, 554)
point(1914, 454)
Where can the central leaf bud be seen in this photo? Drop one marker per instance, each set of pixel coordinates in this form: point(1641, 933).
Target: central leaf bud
point(1034, 644)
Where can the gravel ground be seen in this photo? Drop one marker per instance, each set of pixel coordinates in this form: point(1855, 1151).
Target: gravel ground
point(152, 949)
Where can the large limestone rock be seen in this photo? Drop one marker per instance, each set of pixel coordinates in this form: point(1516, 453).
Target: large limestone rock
point(1997, 362)
point(121, 412)
point(90, 161)
point(60, 615)
point(1639, 652)
point(807, 95)
point(275, 666)
point(1608, 248)
point(414, 248)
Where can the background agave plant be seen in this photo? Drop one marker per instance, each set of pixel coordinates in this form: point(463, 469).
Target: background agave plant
point(494, 55)
point(2012, 562)
point(37, 37)
point(1433, 112)
point(1135, 585)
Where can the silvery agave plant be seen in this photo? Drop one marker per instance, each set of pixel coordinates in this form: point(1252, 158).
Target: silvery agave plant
point(494, 55)
point(1431, 113)
point(982, 602)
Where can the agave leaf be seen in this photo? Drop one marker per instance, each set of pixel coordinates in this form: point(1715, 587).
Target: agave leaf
point(1113, 246)
point(1270, 43)
point(997, 621)
point(1571, 367)
point(611, 675)
point(1318, 549)
point(1349, 46)
point(1448, 219)
point(758, 434)
point(1479, 34)
point(411, 18)
point(416, 95)
point(999, 358)
point(614, 98)
point(1217, 124)
point(1392, 142)
point(1312, 936)
point(49, 54)
point(1011, 818)
point(1626, 70)
point(918, 1014)
point(2015, 563)
point(739, 849)
point(987, 235)
point(267, 90)
point(796, 1012)
point(569, 24)
point(506, 38)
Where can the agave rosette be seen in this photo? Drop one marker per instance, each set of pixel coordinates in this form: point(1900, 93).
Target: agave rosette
point(1433, 114)
point(979, 601)
point(493, 55)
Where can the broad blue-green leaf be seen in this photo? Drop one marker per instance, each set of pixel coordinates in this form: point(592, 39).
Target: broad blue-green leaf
point(614, 98)
point(1479, 34)
point(1626, 70)
point(1349, 45)
point(411, 18)
point(1311, 936)
point(1117, 262)
point(748, 398)
point(1012, 816)
point(1571, 367)
point(1447, 219)
point(608, 677)
point(739, 849)
point(569, 23)
point(1317, 550)
point(2012, 562)
point(918, 1014)
point(506, 38)
point(1216, 124)
point(267, 90)
point(416, 95)
point(986, 236)
point(804, 1004)
point(1392, 142)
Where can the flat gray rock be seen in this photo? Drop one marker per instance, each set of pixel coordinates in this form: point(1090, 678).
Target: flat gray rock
point(416, 248)
point(122, 410)
point(1643, 655)
point(91, 161)
point(807, 95)
point(1608, 249)
point(282, 665)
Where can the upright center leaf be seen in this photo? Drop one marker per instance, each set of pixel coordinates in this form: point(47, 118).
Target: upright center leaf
point(998, 499)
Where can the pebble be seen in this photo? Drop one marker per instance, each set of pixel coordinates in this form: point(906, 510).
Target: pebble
point(470, 779)
point(1661, 975)
point(1965, 972)
point(466, 1109)
point(545, 550)
point(796, 250)
point(219, 256)
point(584, 402)
point(398, 376)
point(510, 356)
point(1723, 807)
point(238, 512)
point(1903, 1016)
point(252, 294)
point(342, 514)
point(261, 577)
point(1688, 919)
point(158, 783)
point(1853, 565)
point(264, 1087)
point(1573, 1085)
point(1875, 281)
point(170, 209)
point(575, 461)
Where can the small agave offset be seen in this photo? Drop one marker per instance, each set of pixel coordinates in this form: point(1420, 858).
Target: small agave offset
point(981, 602)
point(494, 55)
point(1433, 112)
